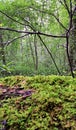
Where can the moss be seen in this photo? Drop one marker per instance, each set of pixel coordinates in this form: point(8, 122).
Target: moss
point(51, 107)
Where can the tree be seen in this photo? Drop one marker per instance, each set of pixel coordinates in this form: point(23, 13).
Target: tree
point(2, 52)
point(72, 41)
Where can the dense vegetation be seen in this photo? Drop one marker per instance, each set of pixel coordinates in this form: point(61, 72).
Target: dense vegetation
point(38, 103)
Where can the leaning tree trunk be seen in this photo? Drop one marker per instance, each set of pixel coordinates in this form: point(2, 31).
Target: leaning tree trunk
point(72, 43)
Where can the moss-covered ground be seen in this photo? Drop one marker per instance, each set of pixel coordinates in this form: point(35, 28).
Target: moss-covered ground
point(38, 103)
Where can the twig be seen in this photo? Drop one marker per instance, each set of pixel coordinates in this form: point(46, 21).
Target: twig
point(8, 42)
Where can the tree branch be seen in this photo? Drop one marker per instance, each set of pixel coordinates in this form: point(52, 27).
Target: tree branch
point(71, 15)
point(33, 32)
point(8, 42)
point(46, 12)
point(66, 6)
point(11, 18)
point(49, 54)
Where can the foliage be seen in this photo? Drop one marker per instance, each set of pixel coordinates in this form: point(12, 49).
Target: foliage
point(6, 69)
point(52, 106)
point(39, 16)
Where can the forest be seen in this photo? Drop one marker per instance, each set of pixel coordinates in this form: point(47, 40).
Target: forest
point(37, 64)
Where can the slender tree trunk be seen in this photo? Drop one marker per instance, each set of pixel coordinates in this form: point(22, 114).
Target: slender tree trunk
point(21, 51)
point(32, 53)
point(3, 55)
point(2, 51)
point(72, 43)
point(36, 53)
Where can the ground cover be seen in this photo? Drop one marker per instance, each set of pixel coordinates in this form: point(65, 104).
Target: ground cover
point(38, 103)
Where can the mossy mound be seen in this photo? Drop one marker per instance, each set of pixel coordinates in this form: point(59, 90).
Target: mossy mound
point(51, 105)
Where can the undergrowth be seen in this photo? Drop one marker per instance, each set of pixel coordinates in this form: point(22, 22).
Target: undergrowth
point(52, 106)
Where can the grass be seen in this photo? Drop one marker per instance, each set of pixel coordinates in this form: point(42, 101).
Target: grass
point(52, 105)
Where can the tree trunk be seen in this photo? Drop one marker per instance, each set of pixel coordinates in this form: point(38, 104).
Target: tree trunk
point(36, 53)
point(72, 43)
point(2, 51)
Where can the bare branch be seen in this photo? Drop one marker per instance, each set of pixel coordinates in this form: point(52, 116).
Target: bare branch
point(33, 32)
point(14, 20)
point(11, 18)
point(49, 54)
point(28, 22)
point(8, 42)
point(50, 35)
point(10, 29)
point(71, 15)
point(46, 12)
point(61, 3)
point(66, 6)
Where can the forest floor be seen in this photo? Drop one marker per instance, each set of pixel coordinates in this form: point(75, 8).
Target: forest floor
point(38, 103)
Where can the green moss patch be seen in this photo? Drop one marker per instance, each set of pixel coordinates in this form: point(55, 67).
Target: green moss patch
point(50, 106)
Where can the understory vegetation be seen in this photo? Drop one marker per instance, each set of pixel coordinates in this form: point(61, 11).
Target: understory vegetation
point(38, 103)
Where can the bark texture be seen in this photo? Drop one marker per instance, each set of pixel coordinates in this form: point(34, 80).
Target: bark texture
point(72, 43)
